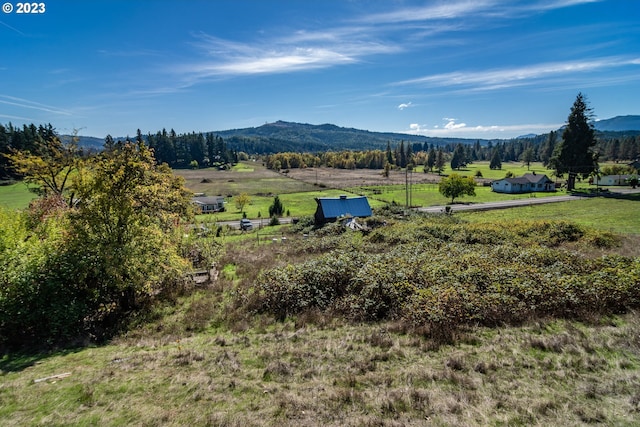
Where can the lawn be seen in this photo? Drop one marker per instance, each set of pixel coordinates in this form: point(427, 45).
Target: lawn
point(428, 195)
point(616, 215)
point(15, 196)
point(517, 168)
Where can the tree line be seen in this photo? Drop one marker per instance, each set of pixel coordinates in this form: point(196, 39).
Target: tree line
point(193, 149)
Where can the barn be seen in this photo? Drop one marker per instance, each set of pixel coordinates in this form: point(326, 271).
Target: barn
point(333, 208)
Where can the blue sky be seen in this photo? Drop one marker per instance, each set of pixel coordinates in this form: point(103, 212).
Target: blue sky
point(473, 69)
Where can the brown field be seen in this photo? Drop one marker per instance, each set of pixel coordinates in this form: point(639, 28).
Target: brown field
point(345, 178)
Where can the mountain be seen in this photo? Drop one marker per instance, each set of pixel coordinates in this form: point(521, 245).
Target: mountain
point(618, 124)
point(307, 137)
point(87, 142)
point(527, 136)
point(282, 136)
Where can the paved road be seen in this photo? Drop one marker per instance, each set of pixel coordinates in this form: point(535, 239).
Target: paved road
point(515, 203)
point(499, 205)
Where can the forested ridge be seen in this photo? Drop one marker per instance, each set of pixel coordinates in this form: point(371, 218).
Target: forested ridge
point(293, 145)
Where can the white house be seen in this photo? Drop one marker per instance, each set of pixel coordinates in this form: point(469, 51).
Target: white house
point(612, 180)
point(527, 183)
point(209, 204)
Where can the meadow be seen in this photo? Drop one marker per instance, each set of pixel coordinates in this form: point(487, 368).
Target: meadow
point(523, 316)
point(217, 356)
point(15, 196)
point(297, 188)
point(617, 215)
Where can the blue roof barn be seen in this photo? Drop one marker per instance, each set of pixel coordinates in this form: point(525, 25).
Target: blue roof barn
point(332, 208)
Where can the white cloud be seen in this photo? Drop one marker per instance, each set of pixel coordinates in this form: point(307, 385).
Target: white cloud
point(404, 105)
point(509, 77)
point(451, 124)
point(448, 10)
point(461, 130)
point(301, 51)
point(32, 105)
point(467, 9)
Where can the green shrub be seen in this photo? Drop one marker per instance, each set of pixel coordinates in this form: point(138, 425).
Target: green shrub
point(439, 276)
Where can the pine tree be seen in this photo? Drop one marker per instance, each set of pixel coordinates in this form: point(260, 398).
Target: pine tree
point(439, 161)
point(496, 161)
point(431, 159)
point(547, 147)
point(574, 154)
point(276, 209)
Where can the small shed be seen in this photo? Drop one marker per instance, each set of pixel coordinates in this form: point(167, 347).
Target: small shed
point(528, 183)
point(209, 204)
point(332, 208)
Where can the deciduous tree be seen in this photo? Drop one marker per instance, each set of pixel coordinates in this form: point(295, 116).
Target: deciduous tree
point(527, 156)
point(49, 166)
point(241, 201)
point(125, 225)
point(456, 186)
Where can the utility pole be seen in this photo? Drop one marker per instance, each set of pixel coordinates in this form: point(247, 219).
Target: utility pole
point(406, 186)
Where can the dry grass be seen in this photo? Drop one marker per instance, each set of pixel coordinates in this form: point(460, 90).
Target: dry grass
point(283, 374)
point(347, 178)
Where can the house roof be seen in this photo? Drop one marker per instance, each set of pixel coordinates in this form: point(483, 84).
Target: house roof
point(207, 200)
point(528, 178)
point(336, 207)
point(621, 176)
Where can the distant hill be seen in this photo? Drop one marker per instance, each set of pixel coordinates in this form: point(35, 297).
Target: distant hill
point(619, 124)
point(284, 136)
point(307, 137)
point(87, 142)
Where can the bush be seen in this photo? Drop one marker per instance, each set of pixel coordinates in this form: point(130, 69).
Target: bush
point(440, 275)
point(274, 221)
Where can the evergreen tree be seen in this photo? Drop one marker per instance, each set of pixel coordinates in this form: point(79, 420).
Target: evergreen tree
point(496, 160)
point(109, 143)
point(458, 158)
point(574, 154)
point(276, 209)
point(403, 155)
point(431, 159)
point(439, 161)
point(547, 147)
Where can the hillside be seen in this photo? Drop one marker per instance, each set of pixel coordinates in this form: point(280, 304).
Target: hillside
point(619, 124)
point(327, 137)
point(282, 136)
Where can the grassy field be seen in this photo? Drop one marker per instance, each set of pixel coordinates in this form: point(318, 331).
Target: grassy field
point(15, 196)
point(429, 195)
point(616, 215)
point(284, 374)
point(200, 362)
point(298, 188)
